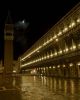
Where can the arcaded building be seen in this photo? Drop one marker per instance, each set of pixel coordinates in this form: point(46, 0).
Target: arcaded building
point(57, 52)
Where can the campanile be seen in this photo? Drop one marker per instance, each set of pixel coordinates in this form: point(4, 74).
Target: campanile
point(8, 45)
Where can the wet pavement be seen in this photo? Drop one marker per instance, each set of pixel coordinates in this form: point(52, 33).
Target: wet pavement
point(41, 88)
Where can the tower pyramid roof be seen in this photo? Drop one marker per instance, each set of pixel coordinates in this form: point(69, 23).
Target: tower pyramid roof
point(8, 19)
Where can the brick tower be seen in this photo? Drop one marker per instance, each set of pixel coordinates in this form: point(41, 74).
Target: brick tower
point(8, 52)
point(8, 45)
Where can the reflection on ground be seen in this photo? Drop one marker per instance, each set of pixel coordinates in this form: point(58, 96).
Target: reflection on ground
point(41, 88)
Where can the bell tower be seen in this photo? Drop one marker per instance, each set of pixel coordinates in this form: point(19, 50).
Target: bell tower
point(8, 45)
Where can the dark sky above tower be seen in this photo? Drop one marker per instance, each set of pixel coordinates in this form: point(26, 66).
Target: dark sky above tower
point(31, 19)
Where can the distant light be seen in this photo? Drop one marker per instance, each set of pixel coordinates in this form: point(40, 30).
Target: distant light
point(14, 71)
point(78, 20)
point(55, 36)
point(53, 66)
point(71, 48)
point(64, 66)
point(74, 47)
point(79, 45)
point(51, 55)
point(55, 53)
point(71, 64)
point(56, 40)
point(50, 67)
point(51, 39)
point(23, 21)
point(78, 63)
point(45, 57)
point(65, 29)
point(60, 52)
point(58, 66)
point(72, 24)
point(33, 71)
point(44, 68)
point(60, 33)
point(66, 49)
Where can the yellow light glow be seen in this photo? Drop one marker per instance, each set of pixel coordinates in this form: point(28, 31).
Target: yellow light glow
point(58, 66)
point(33, 71)
point(60, 33)
point(55, 53)
point(24, 65)
point(78, 20)
point(14, 71)
point(55, 36)
point(79, 45)
point(60, 52)
point(66, 49)
point(42, 58)
point(47, 42)
point(72, 24)
point(78, 63)
point(64, 66)
point(53, 66)
point(71, 48)
point(49, 66)
point(65, 29)
point(45, 57)
point(51, 39)
point(44, 69)
point(74, 47)
point(44, 44)
point(40, 47)
point(51, 55)
point(71, 64)
point(56, 40)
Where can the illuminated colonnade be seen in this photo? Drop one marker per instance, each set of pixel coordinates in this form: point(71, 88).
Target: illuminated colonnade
point(57, 49)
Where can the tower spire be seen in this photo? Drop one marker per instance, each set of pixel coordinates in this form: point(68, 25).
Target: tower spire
point(8, 19)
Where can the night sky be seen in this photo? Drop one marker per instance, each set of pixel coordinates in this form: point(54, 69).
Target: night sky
point(31, 21)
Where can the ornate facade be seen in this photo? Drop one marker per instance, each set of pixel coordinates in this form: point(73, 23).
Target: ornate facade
point(57, 53)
